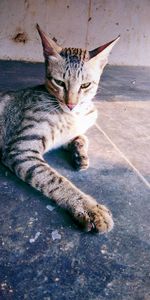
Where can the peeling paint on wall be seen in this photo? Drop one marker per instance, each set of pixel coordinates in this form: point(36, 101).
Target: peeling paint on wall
point(20, 37)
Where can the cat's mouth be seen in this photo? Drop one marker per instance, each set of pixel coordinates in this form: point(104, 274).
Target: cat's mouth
point(67, 109)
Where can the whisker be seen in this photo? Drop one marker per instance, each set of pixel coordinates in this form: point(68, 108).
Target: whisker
point(49, 110)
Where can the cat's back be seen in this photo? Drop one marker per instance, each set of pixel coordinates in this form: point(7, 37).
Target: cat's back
point(14, 102)
point(5, 99)
point(12, 105)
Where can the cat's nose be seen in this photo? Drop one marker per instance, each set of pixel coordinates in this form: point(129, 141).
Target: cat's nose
point(70, 105)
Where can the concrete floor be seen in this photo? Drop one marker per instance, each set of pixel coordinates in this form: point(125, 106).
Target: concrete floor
point(44, 256)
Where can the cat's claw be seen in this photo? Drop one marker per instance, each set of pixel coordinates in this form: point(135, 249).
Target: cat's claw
point(101, 218)
point(80, 162)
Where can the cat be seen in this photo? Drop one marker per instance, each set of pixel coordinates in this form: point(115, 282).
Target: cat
point(38, 119)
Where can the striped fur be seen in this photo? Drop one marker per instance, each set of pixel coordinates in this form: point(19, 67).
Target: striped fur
point(36, 120)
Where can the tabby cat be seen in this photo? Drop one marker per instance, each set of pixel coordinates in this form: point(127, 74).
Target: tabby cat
point(36, 120)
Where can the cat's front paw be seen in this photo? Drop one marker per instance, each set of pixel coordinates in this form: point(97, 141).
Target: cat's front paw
point(100, 218)
point(78, 148)
point(95, 217)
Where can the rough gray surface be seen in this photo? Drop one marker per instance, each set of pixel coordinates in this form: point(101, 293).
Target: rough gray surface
point(43, 253)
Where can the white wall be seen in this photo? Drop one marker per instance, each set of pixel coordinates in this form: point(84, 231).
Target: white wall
point(79, 23)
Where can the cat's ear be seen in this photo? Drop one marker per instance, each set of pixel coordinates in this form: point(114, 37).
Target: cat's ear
point(100, 54)
point(50, 48)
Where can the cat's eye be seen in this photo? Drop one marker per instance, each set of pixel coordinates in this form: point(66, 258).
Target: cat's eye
point(85, 85)
point(59, 82)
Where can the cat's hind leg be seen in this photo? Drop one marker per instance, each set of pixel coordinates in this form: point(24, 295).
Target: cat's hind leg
point(79, 152)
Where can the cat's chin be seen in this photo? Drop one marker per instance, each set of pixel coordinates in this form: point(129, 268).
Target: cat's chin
point(78, 109)
point(66, 109)
point(75, 110)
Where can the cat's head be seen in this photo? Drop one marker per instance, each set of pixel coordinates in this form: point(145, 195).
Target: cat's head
point(72, 74)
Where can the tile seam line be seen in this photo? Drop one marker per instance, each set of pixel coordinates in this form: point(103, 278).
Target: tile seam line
point(136, 171)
